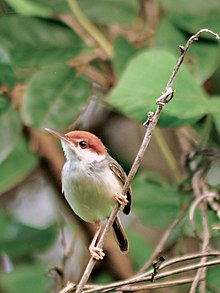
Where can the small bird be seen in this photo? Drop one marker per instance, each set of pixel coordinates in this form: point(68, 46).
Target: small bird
point(92, 182)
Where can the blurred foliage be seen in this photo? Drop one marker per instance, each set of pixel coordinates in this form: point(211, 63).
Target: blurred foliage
point(47, 63)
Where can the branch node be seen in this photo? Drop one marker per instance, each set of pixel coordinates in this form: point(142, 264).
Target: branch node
point(165, 97)
point(182, 49)
point(156, 265)
point(150, 116)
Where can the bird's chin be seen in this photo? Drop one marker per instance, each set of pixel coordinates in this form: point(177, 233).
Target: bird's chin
point(69, 150)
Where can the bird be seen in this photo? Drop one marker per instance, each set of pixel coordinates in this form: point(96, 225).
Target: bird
point(92, 183)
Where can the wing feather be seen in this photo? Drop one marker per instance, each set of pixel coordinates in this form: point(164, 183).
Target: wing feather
point(119, 172)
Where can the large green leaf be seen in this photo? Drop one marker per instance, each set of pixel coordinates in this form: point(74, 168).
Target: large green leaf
point(170, 37)
point(54, 97)
point(142, 82)
point(36, 42)
point(154, 204)
point(10, 129)
point(16, 166)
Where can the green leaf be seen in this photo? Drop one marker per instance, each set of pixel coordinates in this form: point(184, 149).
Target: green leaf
point(10, 129)
point(36, 240)
point(213, 278)
point(25, 279)
point(7, 76)
point(194, 15)
point(28, 7)
point(39, 7)
point(123, 51)
point(196, 7)
point(41, 43)
point(54, 97)
point(168, 36)
point(142, 82)
point(16, 166)
point(155, 205)
point(110, 11)
point(216, 116)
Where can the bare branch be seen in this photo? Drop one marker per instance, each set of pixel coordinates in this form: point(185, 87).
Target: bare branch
point(194, 206)
point(148, 275)
point(165, 97)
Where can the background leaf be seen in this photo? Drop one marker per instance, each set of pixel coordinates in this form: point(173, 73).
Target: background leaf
point(25, 278)
point(10, 129)
point(41, 43)
point(35, 240)
point(123, 52)
point(28, 7)
point(169, 36)
point(17, 166)
point(54, 97)
point(154, 204)
point(122, 11)
point(140, 84)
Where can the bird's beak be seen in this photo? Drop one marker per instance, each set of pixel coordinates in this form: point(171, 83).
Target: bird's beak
point(57, 134)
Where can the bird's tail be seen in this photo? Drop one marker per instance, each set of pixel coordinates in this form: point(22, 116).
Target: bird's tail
point(120, 235)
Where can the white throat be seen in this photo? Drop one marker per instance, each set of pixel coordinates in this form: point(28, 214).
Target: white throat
point(74, 153)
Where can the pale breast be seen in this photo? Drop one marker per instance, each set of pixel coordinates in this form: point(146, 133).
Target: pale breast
point(90, 191)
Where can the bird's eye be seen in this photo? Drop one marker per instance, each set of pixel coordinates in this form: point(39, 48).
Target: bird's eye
point(83, 144)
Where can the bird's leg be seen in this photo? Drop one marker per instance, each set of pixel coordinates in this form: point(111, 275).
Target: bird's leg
point(121, 199)
point(96, 252)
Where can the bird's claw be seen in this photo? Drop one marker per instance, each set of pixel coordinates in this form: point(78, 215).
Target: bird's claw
point(121, 199)
point(96, 252)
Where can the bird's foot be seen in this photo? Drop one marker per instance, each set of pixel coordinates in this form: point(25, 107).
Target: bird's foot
point(121, 199)
point(96, 252)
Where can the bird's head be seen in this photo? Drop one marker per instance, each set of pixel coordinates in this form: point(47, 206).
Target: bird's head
point(80, 145)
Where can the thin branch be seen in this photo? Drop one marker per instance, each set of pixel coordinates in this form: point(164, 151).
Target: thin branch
point(178, 271)
point(194, 206)
point(148, 274)
point(184, 50)
point(158, 285)
point(150, 124)
point(198, 184)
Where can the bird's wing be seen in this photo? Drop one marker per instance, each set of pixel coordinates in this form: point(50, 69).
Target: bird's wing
point(119, 172)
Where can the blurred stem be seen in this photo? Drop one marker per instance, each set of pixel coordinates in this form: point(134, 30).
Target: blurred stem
point(167, 154)
point(90, 28)
point(205, 133)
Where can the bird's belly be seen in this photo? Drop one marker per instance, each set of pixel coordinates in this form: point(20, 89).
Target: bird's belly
point(91, 197)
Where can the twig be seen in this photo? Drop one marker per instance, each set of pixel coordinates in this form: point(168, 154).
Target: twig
point(194, 206)
point(148, 275)
point(157, 285)
point(68, 288)
point(176, 271)
point(198, 190)
point(150, 124)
